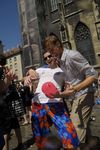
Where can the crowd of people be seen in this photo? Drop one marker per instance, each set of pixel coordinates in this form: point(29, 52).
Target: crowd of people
point(66, 75)
point(15, 101)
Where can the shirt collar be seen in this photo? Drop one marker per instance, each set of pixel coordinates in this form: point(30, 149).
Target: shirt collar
point(63, 57)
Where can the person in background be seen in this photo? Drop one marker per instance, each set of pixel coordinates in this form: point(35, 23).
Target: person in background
point(11, 98)
point(2, 142)
point(20, 88)
point(81, 76)
point(6, 76)
point(26, 96)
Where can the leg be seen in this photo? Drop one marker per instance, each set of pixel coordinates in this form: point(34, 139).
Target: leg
point(6, 138)
point(25, 117)
point(15, 125)
point(29, 113)
point(25, 114)
point(18, 135)
point(25, 120)
point(40, 125)
point(64, 126)
point(81, 110)
point(2, 142)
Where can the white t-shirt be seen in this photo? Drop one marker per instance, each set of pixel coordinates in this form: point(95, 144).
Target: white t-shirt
point(56, 76)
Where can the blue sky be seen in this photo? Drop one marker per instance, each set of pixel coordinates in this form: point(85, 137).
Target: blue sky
point(9, 24)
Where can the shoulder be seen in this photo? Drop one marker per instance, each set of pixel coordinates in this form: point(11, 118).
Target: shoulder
point(58, 69)
point(72, 55)
point(41, 70)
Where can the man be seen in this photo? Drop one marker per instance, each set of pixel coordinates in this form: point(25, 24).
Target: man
point(47, 110)
point(80, 76)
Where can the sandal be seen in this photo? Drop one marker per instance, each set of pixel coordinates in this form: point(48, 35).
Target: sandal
point(25, 123)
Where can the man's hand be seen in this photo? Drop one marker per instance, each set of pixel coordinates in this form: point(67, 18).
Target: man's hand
point(70, 90)
point(67, 92)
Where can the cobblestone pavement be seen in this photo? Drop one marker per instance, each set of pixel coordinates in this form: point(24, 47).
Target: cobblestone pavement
point(95, 125)
point(27, 138)
point(27, 133)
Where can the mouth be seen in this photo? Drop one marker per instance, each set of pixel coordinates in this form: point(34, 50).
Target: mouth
point(49, 62)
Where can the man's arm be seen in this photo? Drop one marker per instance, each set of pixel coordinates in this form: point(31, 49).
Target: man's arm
point(73, 89)
point(84, 68)
point(84, 84)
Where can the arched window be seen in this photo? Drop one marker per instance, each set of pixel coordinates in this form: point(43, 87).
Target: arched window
point(25, 39)
point(54, 4)
point(83, 42)
point(68, 1)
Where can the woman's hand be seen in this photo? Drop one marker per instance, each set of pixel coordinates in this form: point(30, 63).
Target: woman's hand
point(33, 74)
point(10, 75)
point(30, 77)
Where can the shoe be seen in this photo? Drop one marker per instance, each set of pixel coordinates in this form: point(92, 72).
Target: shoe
point(25, 123)
point(92, 118)
point(29, 122)
point(19, 147)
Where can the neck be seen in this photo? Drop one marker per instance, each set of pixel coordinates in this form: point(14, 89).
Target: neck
point(53, 66)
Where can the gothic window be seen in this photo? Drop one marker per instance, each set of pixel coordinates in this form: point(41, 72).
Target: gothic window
point(54, 4)
point(98, 29)
point(97, 8)
point(30, 9)
point(82, 33)
point(68, 1)
point(84, 42)
point(25, 40)
point(63, 36)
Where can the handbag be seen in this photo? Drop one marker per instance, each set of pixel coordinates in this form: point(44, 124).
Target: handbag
point(16, 107)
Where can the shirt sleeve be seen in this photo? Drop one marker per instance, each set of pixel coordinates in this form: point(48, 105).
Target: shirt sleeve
point(82, 65)
point(39, 71)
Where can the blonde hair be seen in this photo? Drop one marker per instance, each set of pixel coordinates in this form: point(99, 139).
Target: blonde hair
point(51, 42)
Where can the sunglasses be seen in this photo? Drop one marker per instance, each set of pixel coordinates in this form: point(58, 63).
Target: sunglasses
point(49, 56)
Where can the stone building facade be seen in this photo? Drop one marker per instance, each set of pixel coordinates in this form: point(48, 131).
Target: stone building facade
point(14, 62)
point(75, 22)
point(30, 34)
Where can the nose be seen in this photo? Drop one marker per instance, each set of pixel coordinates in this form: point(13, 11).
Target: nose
point(54, 55)
point(48, 58)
